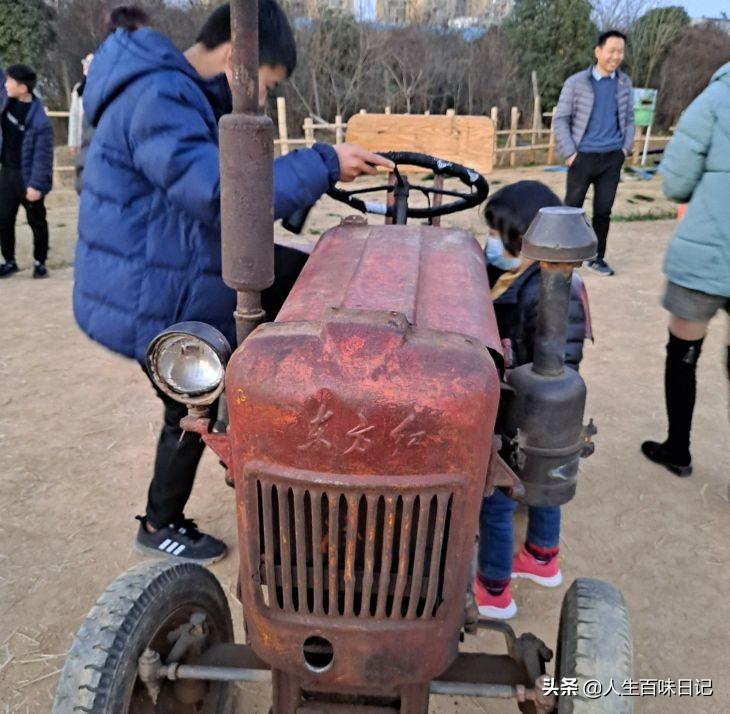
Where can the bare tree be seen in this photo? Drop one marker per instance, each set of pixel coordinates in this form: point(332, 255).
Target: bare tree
point(687, 69)
point(404, 61)
point(619, 14)
point(337, 60)
point(652, 35)
point(79, 28)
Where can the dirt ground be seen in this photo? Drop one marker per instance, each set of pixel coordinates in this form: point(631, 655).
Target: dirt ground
point(78, 427)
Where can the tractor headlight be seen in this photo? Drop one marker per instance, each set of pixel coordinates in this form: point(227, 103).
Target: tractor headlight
point(188, 362)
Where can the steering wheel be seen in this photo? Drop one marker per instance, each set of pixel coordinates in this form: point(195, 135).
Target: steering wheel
point(399, 210)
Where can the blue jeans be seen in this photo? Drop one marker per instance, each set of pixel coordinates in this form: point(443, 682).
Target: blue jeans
point(496, 534)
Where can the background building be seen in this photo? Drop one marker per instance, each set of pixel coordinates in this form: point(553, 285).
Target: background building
point(455, 13)
point(721, 23)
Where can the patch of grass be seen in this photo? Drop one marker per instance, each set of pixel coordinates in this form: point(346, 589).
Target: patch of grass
point(645, 216)
point(59, 264)
point(642, 197)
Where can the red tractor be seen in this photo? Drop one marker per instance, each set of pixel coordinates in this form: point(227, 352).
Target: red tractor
point(359, 431)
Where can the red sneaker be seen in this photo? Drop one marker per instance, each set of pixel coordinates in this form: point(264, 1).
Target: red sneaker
point(526, 565)
point(498, 607)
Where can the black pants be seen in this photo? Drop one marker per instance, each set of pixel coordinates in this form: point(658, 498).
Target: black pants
point(603, 171)
point(178, 455)
point(12, 197)
point(176, 462)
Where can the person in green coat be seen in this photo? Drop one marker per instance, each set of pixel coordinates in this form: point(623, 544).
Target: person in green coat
point(695, 170)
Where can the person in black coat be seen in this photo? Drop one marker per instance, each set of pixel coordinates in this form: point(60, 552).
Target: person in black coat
point(515, 291)
point(26, 173)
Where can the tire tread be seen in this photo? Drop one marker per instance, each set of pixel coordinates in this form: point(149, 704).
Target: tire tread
point(594, 643)
point(88, 673)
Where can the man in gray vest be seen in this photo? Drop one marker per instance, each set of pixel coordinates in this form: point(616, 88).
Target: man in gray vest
point(594, 130)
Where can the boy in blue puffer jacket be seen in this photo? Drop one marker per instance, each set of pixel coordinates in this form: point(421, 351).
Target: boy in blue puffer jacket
point(26, 155)
point(149, 253)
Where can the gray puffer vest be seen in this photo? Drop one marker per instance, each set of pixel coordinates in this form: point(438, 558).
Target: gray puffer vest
point(576, 104)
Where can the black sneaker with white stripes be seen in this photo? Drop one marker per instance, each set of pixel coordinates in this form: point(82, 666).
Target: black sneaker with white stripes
point(180, 541)
point(600, 266)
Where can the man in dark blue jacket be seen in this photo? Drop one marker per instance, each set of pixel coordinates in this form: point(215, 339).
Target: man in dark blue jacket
point(148, 253)
point(26, 155)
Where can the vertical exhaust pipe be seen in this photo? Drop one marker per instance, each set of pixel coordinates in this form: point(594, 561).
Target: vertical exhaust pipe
point(544, 418)
point(247, 177)
point(560, 238)
point(552, 318)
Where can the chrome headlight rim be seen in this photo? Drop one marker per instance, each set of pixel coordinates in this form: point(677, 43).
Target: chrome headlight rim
point(211, 338)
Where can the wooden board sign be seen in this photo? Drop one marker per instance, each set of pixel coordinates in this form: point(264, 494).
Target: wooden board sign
point(466, 140)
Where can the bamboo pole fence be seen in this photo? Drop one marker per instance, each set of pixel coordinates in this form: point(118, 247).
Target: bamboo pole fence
point(512, 146)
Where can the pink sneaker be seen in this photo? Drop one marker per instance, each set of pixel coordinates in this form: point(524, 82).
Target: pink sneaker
point(526, 565)
point(498, 607)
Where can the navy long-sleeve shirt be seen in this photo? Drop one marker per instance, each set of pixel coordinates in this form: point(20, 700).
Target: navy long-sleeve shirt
point(603, 133)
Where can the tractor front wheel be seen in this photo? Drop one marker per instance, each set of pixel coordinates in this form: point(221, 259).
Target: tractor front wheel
point(594, 656)
point(144, 608)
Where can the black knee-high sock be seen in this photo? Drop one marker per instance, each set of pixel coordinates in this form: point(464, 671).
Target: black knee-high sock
point(727, 365)
point(680, 389)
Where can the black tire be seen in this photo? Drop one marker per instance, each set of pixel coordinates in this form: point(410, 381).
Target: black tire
point(594, 643)
point(136, 611)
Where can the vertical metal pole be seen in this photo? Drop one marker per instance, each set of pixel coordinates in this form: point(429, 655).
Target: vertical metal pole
point(247, 178)
point(245, 56)
point(552, 318)
point(414, 699)
point(646, 145)
point(286, 694)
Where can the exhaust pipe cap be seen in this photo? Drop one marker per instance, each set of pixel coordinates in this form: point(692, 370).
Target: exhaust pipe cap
point(560, 234)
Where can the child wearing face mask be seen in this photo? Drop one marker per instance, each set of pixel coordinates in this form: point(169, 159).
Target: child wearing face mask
point(515, 291)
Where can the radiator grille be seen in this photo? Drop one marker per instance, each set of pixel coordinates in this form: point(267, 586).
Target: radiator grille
point(350, 554)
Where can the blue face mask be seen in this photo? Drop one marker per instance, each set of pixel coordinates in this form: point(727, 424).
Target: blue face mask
point(497, 257)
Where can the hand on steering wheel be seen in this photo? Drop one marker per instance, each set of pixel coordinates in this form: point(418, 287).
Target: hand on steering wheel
point(400, 210)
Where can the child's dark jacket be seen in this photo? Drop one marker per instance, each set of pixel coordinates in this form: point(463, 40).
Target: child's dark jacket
point(516, 311)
